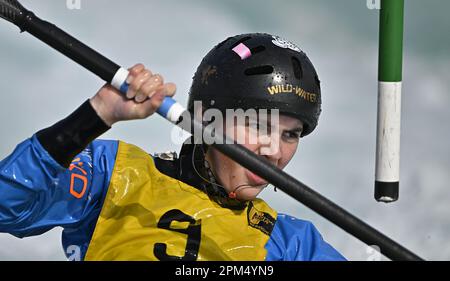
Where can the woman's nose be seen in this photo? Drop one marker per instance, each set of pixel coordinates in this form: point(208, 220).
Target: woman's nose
point(270, 147)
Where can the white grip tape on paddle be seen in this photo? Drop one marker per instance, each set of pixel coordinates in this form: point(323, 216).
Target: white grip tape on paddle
point(175, 112)
point(388, 132)
point(119, 78)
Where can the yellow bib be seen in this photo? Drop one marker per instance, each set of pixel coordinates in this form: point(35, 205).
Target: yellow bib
point(147, 215)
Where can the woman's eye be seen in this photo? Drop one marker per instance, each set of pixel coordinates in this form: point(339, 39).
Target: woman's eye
point(293, 136)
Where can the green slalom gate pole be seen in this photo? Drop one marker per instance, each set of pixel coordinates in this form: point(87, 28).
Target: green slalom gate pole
point(387, 166)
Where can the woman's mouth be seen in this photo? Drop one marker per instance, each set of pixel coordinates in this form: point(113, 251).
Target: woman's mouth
point(255, 179)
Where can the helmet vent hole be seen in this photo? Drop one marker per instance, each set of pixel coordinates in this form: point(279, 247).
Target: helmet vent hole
point(223, 42)
point(258, 49)
point(258, 70)
point(242, 40)
point(298, 71)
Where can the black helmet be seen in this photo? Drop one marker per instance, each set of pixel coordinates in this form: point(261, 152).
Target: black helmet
point(259, 71)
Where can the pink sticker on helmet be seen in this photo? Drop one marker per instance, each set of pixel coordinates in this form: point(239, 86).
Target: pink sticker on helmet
point(243, 51)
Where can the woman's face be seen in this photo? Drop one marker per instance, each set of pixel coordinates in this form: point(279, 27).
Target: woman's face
point(278, 146)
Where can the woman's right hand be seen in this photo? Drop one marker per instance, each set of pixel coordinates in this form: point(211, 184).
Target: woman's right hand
point(145, 94)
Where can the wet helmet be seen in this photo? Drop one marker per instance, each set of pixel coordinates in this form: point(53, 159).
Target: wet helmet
point(259, 71)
